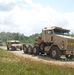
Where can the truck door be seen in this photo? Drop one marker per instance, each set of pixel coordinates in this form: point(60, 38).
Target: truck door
point(49, 36)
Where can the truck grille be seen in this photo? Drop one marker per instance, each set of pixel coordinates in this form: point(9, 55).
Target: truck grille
point(70, 45)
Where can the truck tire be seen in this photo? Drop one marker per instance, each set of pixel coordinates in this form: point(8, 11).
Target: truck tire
point(25, 49)
point(55, 53)
point(30, 50)
point(21, 48)
point(36, 50)
point(7, 48)
point(42, 48)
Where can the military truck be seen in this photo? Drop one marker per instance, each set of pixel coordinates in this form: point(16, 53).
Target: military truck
point(13, 45)
point(55, 41)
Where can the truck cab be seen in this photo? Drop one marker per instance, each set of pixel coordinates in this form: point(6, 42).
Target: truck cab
point(48, 35)
point(59, 37)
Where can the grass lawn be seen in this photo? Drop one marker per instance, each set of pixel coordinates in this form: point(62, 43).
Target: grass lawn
point(14, 65)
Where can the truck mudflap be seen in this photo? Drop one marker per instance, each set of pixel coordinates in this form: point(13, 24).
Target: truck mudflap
point(69, 52)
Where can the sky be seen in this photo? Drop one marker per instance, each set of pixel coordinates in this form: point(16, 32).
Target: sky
point(31, 16)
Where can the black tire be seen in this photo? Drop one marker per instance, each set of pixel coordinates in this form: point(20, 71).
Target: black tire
point(42, 45)
point(69, 57)
point(21, 48)
point(30, 50)
point(55, 53)
point(36, 50)
point(7, 48)
point(25, 49)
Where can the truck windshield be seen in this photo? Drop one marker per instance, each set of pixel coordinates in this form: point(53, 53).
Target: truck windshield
point(57, 32)
point(14, 42)
point(66, 33)
point(62, 32)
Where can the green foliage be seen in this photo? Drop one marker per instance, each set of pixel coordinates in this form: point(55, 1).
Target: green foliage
point(17, 36)
point(20, 66)
point(72, 35)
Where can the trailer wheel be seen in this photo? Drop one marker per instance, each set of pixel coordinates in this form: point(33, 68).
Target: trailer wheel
point(30, 50)
point(55, 53)
point(25, 49)
point(36, 50)
point(69, 57)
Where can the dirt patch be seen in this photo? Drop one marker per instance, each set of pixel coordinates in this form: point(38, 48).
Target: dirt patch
point(9, 59)
point(48, 62)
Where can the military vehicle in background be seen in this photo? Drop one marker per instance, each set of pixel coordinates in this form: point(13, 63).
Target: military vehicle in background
point(13, 45)
point(54, 42)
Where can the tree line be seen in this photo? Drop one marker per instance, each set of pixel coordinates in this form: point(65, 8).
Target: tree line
point(4, 36)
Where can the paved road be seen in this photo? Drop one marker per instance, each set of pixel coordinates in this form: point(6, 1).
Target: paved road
point(43, 59)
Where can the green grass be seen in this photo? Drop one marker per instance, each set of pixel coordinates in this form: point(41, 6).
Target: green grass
point(14, 65)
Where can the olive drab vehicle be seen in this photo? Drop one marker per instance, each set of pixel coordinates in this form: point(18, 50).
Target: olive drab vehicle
point(13, 45)
point(54, 42)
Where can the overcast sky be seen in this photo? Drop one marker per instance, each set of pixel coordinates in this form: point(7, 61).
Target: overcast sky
point(31, 16)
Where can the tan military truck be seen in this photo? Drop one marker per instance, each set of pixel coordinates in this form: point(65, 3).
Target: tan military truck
point(13, 45)
point(55, 42)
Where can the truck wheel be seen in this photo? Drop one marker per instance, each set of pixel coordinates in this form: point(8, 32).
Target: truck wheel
point(15, 48)
point(36, 50)
point(42, 48)
point(69, 57)
point(7, 48)
point(25, 49)
point(30, 50)
point(20, 48)
point(55, 53)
